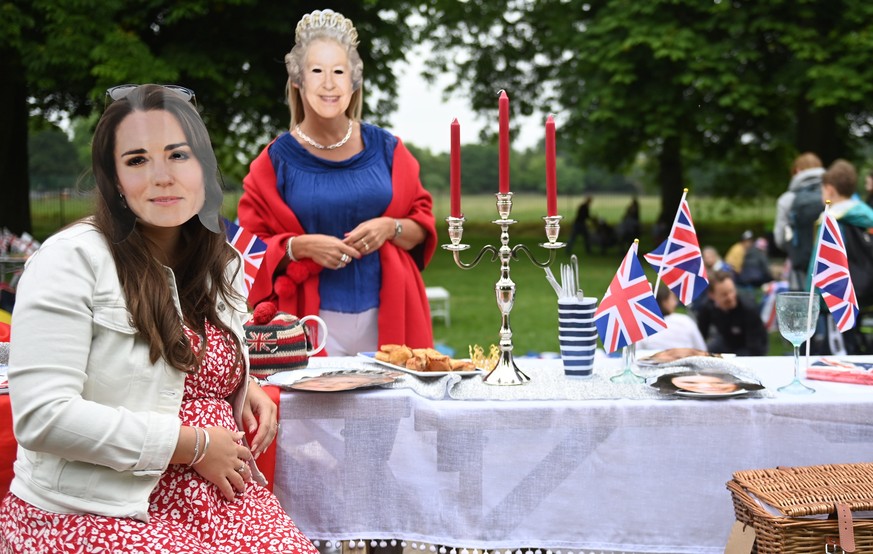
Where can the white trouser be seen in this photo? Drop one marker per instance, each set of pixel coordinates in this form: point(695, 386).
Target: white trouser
point(348, 334)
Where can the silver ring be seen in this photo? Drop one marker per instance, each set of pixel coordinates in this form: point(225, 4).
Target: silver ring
point(366, 246)
point(241, 468)
point(345, 258)
point(339, 265)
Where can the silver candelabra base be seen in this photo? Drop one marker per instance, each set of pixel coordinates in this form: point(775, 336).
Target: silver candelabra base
point(505, 372)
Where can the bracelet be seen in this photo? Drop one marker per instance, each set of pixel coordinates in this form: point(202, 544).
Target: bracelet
point(196, 446)
point(205, 448)
point(398, 228)
point(255, 380)
point(288, 250)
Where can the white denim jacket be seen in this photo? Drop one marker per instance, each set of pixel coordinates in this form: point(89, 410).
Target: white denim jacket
point(96, 421)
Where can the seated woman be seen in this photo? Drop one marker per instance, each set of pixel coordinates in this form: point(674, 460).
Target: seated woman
point(681, 331)
point(128, 373)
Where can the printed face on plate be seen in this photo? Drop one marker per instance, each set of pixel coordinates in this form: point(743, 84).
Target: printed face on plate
point(704, 384)
point(334, 383)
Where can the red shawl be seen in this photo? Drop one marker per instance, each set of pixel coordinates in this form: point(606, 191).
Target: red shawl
point(404, 314)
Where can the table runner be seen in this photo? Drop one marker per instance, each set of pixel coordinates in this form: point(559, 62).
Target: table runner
point(548, 381)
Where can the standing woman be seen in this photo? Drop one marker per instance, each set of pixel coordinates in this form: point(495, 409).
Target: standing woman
point(347, 223)
point(128, 374)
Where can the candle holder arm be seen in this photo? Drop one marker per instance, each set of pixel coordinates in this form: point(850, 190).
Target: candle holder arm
point(485, 249)
point(530, 255)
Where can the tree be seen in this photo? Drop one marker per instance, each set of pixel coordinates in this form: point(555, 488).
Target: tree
point(740, 85)
point(59, 56)
point(53, 163)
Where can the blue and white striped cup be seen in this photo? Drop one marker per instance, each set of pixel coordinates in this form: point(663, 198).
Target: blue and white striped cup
point(577, 335)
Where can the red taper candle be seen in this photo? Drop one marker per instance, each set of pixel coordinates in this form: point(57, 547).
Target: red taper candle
point(455, 170)
point(503, 165)
point(551, 176)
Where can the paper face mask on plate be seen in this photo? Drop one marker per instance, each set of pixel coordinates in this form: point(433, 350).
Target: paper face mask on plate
point(700, 384)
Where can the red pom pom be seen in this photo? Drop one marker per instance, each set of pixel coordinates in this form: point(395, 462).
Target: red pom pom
point(263, 313)
point(301, 271)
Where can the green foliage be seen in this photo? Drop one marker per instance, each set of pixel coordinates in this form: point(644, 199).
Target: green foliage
point(727, 89)
point(53, 160)
point(229, 52)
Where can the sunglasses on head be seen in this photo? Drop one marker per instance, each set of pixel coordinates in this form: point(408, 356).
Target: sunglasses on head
point(120, 91)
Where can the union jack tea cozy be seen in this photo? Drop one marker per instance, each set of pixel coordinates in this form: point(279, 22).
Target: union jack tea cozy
point(277, 341)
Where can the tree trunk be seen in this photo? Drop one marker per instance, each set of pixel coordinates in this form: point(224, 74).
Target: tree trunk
point(818, 132)
point(15, 207)
point(670, 178)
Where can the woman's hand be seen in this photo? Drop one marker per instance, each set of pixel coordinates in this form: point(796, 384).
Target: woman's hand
point(370, 235)
point(226, 462)
point(260, 413)
point(325, 250)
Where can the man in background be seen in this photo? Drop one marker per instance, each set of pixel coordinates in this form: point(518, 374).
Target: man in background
point(730, 322)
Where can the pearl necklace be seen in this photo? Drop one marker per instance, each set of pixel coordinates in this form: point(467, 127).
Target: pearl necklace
point(314, 144)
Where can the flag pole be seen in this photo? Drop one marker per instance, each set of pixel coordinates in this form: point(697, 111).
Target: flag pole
point(667, 244)
point(629, 351)
point(809, 276)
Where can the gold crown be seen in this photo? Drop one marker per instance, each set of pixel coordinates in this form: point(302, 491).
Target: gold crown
point(327, 19)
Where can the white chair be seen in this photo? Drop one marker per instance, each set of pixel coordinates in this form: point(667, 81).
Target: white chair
point(438, 298)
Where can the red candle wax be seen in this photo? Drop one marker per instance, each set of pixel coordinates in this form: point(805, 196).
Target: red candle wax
point(551, 176)
point(455, 170)
point(503, 165)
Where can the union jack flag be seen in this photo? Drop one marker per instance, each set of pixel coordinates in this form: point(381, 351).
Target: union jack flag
point(831, 274)
point(628, 312)
point(683, 269)
point(262, 342)
point(768, 303)
point(251, 247)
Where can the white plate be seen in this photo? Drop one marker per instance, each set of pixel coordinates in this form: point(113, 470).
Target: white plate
point(285, 378)
point(371, 356)
point(707, 396)
point(332, 379)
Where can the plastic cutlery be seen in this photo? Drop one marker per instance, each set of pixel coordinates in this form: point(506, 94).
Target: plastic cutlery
point(550, 277)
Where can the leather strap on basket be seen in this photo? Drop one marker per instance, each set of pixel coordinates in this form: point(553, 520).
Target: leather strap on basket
point(847, 533)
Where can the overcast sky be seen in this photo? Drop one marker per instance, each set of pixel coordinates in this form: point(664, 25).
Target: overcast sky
point(424, 119)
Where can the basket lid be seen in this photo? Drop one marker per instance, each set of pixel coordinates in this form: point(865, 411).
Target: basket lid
point(811, 490)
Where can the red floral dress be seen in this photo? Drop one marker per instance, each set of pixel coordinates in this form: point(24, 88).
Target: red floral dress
point(188, 514)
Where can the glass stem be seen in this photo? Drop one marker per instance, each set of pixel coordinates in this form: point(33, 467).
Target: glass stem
point(797, 363)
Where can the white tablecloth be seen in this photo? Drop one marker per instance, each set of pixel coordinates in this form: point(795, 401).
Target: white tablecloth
point(636, 474)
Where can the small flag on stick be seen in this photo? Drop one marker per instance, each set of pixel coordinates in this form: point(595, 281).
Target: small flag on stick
point(678, 260)
point(628, 312)
point(251, 247)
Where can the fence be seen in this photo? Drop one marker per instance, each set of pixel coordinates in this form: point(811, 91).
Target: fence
point(52, 210)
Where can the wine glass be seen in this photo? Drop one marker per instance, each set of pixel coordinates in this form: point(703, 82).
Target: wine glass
point(797, 313)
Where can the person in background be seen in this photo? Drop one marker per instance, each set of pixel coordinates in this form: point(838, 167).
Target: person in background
point(730, 323)
point(794, 221)
point(681, 331)
point(756, 267)
point(712, 261)
point(736, 254)
point(629, 227)
point(347, 223)
point(839, 186)
point(130, 426)
point(580, 226)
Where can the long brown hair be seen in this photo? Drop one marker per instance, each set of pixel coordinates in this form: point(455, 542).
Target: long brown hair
point(201, 273)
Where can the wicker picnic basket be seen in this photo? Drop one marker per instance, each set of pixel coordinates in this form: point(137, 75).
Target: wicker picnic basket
point(800, 492)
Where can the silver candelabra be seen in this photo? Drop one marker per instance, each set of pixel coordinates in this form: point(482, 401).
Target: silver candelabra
point(505, 372)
